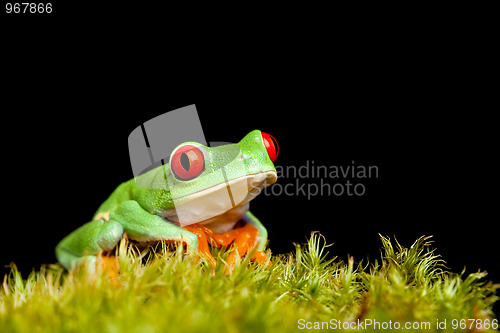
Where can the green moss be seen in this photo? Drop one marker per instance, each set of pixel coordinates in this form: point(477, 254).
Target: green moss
point(304, 289)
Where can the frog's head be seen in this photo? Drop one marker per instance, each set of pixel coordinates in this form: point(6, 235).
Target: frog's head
point(204, 182)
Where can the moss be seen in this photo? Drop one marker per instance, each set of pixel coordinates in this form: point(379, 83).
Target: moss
point(168, 292)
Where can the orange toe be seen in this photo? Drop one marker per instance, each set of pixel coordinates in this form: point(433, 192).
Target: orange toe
point(202, 242)
point(244, 239)
point(226, 238)
point(261, 258)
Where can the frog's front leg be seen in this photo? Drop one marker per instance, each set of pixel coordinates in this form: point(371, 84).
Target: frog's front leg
point(103, 235)
point(252, 236)
point(143, 226)
point(249, 218)
point(87, 241)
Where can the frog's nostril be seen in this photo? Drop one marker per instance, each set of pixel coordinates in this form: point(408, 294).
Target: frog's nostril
point(271, 146)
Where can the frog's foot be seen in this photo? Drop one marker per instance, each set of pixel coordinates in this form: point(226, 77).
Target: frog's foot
point(244, 240)
point(201, 232)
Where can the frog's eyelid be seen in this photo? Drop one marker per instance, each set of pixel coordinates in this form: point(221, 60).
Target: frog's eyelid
point(201, 147)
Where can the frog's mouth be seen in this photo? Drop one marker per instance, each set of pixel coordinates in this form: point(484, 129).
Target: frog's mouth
point(219, 199)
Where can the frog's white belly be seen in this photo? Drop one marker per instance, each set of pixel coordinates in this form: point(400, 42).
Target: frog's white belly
point(225, 222)
point(221, 206)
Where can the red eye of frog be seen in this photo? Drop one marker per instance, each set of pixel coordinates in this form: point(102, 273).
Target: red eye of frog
point(187, 162)
point(271, 146)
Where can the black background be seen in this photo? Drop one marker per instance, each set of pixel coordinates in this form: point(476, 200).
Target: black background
point(420, 109)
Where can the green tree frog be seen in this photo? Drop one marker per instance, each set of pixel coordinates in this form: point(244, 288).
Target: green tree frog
point(200, 196)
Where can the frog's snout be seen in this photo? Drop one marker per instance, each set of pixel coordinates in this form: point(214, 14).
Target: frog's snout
point(263, 179)
point(271, 146)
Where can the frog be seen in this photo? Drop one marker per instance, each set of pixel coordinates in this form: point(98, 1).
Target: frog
point(200, 197)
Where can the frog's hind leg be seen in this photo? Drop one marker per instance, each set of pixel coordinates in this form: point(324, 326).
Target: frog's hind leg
point(86, 242)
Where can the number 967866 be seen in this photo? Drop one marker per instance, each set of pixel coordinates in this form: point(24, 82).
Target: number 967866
point(28, 8)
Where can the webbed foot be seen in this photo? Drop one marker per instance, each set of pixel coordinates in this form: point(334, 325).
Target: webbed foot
point(201, 232)
point(244, 239)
